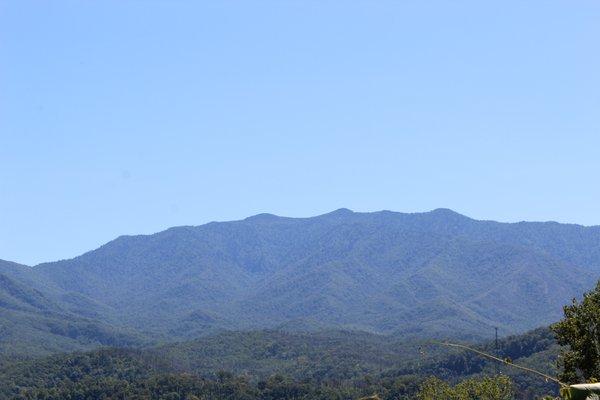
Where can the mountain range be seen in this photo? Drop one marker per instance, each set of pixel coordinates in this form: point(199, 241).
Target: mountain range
point(432, 274)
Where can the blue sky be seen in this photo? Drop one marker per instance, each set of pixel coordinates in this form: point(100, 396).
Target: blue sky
point(126, 117)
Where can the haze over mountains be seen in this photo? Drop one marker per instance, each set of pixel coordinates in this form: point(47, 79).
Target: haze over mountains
point(433, 274)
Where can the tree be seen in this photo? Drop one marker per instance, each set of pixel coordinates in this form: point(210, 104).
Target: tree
point(579, 330)
point(486, 388)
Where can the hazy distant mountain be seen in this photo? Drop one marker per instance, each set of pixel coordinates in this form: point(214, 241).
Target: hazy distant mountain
point(36, 317)
point(429, 274)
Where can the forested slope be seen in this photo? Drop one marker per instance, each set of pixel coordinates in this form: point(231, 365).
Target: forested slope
point(272, 365)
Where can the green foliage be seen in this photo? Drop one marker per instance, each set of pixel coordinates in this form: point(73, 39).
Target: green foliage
point(486, 388)
point(266, 365)
point(580, 331)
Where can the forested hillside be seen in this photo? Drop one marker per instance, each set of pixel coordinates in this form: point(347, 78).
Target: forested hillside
point(270, 364)
point(37, 317)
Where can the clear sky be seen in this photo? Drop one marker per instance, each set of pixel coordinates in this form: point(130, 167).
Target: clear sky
point(126, 117)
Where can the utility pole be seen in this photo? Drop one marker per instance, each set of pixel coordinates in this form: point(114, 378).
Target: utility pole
point(496, 348)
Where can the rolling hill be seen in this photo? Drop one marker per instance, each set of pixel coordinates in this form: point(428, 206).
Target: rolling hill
point(251, 365)
point(38, 319)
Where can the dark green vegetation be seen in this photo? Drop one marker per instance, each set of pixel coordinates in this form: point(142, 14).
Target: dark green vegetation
point(436, 274)
point(579, 332)
point(276, 365)
point(487, 388)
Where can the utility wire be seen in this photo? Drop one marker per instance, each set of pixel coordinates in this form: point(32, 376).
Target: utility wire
point(481, 353)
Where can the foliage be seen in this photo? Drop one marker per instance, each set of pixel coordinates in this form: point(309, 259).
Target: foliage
point(486, 388)
point(580, 331)
point(267, 365)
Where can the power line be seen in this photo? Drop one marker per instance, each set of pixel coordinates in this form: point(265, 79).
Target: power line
point(507, 362)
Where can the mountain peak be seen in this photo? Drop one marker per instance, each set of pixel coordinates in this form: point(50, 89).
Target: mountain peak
point(447, 213)
point(444, 211)
point(340, 212)
point(262, 217)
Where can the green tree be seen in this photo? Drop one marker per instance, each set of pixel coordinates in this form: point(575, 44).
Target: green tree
point(579, 331)
point(486, 388)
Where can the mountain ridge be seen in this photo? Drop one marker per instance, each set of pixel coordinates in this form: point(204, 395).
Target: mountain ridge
point(436, 211)
point(432, 274)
